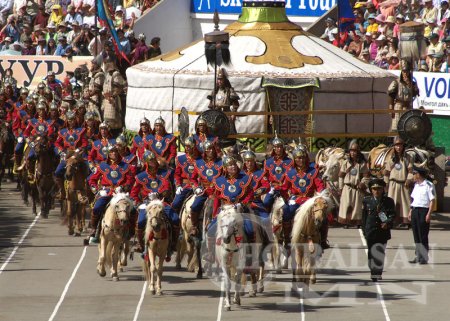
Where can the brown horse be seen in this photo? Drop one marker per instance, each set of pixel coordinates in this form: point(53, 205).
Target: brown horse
point(26, 178)
point(76, 199)
point(45, 167)
point(306, 238)
point(6, 148)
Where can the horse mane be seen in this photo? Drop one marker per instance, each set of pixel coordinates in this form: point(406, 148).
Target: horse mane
point(119, 197)
point(155, 202)
point(302, 214)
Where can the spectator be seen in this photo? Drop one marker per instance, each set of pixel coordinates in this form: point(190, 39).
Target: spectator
point(62, 46)
point(372, 26)
point(57, 15)
point(328, 35)
point(423, 66)
point(17, 46)
point(387, 8)
point(64, 5)
point(390, 24)
point(5, 9)
point(382, 51)
point(6, 45)
point(370, 9)
point(41, 18)
point(140, 52)
point(81, 42)
point(431, 28)
point(443, 11)
point(32, 9)
point(446, 65)
point(88, 15)
point(394, 62)
point(399, 19)
point(26, 33)
point(124, 42)
point(28, 50)
point(51, 34)
point(36, 34)
point(51, 47)
point(360, 23)
point(435, 45)
point(119, 17)
point(72, 16)
point(393, 46)
point(62, 30)
point(380, 20)
point(97, 46)
point(355, 45)
point(11, 29)
point(429, 12)
point(435, 62)
point(373, 48)
point(445, 42)
point(41, 48)
point(154, 50)
point(445, 28)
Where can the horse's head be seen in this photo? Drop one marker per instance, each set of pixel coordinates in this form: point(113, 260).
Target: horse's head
point(277, 213)
point(74, 163)
point(332, 167)
point(122, 207)
point(320, 209)
point(41, 144)
point(155, 212)
point(229, 223)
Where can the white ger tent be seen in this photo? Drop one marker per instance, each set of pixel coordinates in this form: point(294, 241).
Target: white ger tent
point(276, 66)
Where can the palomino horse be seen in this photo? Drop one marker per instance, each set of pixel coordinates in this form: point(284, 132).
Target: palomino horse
point(306, 238)
point(189, 245)
point(76, 199)
point(6, 148)
point(331, 164)
point(230, 251)
point(45, 166)
point(276, 220)
point(157, 243)
point(115, 226)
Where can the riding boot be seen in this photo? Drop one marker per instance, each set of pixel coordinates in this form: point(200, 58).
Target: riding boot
point(173, 242)
point(287, 229)
point(324, 237)
point(93, 239)
point(62, 191)
point(140, 239)
point(194, 219)
point(17, 163)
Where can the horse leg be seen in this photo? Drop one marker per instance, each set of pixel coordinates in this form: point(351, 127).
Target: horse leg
point(124, 254)
point(252, 291)
point(69, 209)
point(79, 218)
point(152, 260)
point(237, 287)
point(198, 245)
point(101, 256)
point(34, 199)
point(114, 260)
point(159, 272)
point(227, 287)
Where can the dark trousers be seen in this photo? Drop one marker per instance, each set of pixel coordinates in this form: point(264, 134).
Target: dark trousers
point(420, 230)
point(375, 256)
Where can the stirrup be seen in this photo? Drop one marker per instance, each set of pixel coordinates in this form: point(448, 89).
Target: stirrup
point(93, 240)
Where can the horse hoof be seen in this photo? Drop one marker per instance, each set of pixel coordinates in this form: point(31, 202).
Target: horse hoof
point(77, 234)
point(178, 266)
point(85, 242)
point(159, 292)
point(152, 291)
point(261, 289)
point(228, 308)
point(252, 294)
point(199, 275)
point(115, 278)
point(70, 232)
point(101, 273)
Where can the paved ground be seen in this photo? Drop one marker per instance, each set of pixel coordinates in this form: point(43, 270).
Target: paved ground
point(47, 275)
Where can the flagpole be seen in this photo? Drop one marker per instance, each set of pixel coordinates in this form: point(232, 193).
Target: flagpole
point(96, 28)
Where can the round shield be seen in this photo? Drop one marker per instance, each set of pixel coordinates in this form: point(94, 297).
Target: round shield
point(232, 188)
point(191, 169)
point(71, 139)
point(414, 127)
point(209, 172)
point(114, 174)
point(158, 145)
point(154, 184)
point(302, 183)
point(217, 122)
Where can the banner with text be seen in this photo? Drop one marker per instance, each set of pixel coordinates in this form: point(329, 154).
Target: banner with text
point(302, 8)
point(29, 70)
point(434, 91)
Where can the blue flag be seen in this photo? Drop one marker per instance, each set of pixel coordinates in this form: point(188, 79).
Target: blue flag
point(346, 18)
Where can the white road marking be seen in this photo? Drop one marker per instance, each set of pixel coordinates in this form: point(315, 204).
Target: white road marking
point(380, 292)
point(219, 308)
point(302, 306)
point(138, 308)
point(18, 244)
point(66, 288)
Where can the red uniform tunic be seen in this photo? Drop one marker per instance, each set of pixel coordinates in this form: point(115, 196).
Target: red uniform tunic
point(71, 139)
point(111, 175)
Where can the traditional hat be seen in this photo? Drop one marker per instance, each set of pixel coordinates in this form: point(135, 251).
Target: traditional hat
point(229, 160)
point(160, 121)
point(144, 121)
point(208, 144)
point(201, 121)
point(277, 141)
point(189, 141)
point(104, 125)
point(121, 140)
point(70, 115)
point(249, 155)
point(377, 183)
point(24, 91)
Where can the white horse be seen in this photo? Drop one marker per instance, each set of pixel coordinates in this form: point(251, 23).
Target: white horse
point(306, 237)
point(230, 252)
point(279, 259)
point(157, 243)
point(113, 234)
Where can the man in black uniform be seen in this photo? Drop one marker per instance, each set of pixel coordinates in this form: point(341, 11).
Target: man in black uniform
point(378, 215)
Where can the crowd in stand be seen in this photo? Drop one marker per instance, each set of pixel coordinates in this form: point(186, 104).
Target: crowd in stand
point(70, 28)
point(376, 35)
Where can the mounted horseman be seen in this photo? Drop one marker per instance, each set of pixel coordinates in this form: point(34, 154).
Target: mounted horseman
point(71, 137)
point(20, 124)
point(206, 170)
point(99, 149)
point(128, 157)
point(274, 169)
point(154, 182)
point(184, 167)
point(112, 176)
point(141, 140)
point(54, 120)
point(300, 183)
point(202, 134)
point(162, 143)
